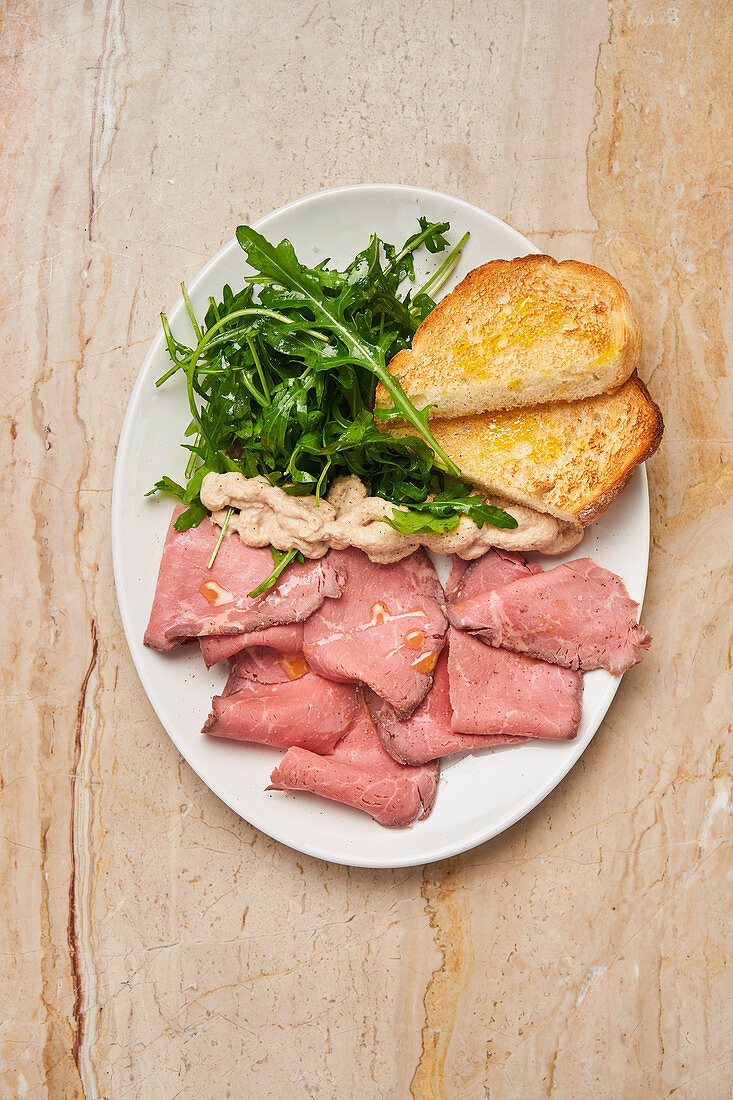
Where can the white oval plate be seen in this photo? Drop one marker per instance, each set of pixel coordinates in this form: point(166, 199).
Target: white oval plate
point(480, 794)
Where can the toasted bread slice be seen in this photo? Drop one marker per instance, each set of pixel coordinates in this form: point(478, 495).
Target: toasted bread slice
point(571, 459)
point(520, 332)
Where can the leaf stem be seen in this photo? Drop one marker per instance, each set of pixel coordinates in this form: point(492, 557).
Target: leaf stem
point(255, 356)
point(225, 524)
point(271, 580)
point(191, 314)
point(439, 277)
point(192, 457)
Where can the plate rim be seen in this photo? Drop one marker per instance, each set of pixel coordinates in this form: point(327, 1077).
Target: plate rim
point(124, 444)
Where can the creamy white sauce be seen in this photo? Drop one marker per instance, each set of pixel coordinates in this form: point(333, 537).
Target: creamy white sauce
point(266, 516)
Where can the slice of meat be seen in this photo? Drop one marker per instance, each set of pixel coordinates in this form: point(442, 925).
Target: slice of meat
point(428, 733)
point(493, 691)
point(286, 639)
point(360, 773)
point(578, 615)
point(273, 699)
point(492, 570)
point(259, 665)
point(387, 631)
point(457, 568)
point(191, 599)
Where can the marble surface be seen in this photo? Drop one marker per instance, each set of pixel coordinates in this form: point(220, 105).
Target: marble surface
point(152, 944)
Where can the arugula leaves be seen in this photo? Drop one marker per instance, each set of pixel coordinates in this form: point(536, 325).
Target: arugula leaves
point(281, 558)
point(443, 513)
point(281, 381)
point(343, 310)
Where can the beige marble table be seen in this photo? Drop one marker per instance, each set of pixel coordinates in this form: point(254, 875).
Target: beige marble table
point(152, 944)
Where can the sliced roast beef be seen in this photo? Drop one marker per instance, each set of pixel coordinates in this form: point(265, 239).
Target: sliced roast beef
point(457, 568)
point(428, 733)
point(274, 699)
point(492, 570)
point(362, 774)
point(286, 639)
point(577, 615)
point(493, 691)
point(259, 665)
point(192, 600)
point(387, 631)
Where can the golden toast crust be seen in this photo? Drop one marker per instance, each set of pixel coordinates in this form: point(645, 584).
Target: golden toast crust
point(649, 427)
